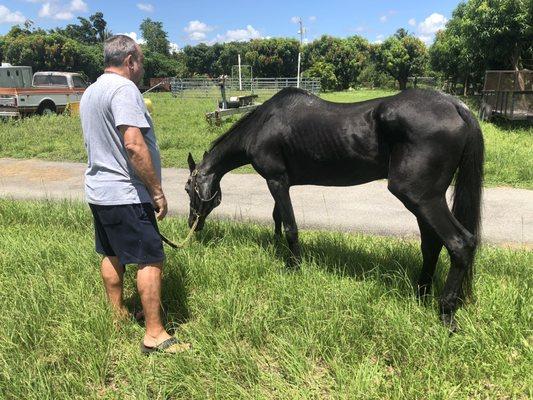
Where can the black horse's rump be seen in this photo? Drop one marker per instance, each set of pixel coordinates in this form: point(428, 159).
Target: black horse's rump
point(418, 139)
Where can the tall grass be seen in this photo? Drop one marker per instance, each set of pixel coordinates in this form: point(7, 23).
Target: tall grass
point(347, 326)
point(181, 128)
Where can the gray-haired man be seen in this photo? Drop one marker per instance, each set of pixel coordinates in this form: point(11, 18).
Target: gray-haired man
point(123, 185)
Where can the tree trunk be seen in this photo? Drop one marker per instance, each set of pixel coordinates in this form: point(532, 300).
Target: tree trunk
point(403, 83)
point(465, 89)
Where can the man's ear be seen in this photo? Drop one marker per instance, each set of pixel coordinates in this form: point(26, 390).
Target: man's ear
point(128, 61)
point(192, 164)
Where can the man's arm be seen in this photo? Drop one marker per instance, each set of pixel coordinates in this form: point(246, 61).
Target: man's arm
point(141, 160)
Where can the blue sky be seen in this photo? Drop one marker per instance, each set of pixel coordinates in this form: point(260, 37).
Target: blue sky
point(192, 22)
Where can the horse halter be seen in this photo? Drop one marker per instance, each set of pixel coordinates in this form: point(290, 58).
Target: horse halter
point(198, 214)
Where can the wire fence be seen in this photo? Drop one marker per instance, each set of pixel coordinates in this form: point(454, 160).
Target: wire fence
point(202, 87)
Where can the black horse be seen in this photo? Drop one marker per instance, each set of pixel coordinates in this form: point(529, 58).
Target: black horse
point(417, 139)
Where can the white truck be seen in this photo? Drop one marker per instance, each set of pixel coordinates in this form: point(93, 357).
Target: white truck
point(48, 92)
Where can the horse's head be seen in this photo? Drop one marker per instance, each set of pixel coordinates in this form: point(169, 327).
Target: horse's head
point(204, 193)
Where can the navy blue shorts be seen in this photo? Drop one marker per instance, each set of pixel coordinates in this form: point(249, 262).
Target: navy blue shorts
point(128, 232)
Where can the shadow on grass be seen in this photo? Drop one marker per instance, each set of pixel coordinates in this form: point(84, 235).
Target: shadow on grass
point(382, 260)
point(510, 126)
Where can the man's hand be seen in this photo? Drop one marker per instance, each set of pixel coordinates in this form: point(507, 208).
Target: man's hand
point(160, 206)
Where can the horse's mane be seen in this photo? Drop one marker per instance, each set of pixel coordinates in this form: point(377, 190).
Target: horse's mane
point(233, 128)
point(258, 112)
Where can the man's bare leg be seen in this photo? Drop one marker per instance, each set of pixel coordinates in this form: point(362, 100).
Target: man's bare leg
point(149, 287)
point(113, 277)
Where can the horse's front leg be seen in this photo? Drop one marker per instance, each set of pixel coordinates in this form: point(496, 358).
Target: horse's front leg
point(279, 188)
point(276, 215)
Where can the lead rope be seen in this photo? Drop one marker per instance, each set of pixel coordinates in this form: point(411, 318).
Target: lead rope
point(185, 241)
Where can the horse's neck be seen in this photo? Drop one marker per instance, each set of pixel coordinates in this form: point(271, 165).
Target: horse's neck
point(225, 157)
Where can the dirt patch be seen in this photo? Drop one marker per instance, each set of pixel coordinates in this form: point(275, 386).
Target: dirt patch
point(32, 170)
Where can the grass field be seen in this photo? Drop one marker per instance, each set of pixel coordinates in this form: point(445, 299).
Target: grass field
point(347, 326)
point(181, 127)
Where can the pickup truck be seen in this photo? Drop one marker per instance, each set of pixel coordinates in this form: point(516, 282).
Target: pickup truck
point(50, 92)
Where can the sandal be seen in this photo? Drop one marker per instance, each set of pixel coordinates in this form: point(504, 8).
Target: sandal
point(170, 346)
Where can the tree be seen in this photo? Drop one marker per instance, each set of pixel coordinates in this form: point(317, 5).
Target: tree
point(157, 65)
point(53, 51)
point(325, 72)
point(99, 25)
point(481, 35)
point(199, 59)
point(155, 36)
point(273, 57)
point(347, 56)
point(87, 31)
point(83, 32)
point(401, 56)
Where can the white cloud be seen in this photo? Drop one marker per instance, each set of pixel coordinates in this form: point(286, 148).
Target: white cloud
point(174, 48)
point(312, 18)
point(431, 25)
point(78, 5)
point(145, 7)
point(360, 28)
point(60, 11)
point(239, 35)
point(134, 36)
point(412, 22)
point(426, 39)
point(379, 39)
point(45, 10)
point(383, 18)
point(197, 30)
point(295, 20)
point(64, 15)
point(435, 22)
point(10, 17)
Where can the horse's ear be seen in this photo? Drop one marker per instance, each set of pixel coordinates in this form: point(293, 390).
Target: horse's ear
point(205, 154)
point(192, 164)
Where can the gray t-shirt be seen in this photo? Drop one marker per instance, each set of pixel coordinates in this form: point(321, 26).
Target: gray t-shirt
point(110, 178)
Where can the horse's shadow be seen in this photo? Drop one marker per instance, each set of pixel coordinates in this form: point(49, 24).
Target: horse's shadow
point(510, 126)
point(393, 265)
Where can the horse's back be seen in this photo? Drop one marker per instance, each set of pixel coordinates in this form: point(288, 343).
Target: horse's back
point(324, 143)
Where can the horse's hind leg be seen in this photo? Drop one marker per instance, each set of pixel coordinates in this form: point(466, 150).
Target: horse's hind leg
point(457, 240)
point(276, 215)
point(279, 188)
point(431, 246)
point(414, 180)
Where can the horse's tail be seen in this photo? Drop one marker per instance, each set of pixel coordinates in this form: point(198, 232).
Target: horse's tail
point(468, 189)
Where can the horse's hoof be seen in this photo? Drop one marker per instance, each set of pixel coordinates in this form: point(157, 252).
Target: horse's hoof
point(448, 320)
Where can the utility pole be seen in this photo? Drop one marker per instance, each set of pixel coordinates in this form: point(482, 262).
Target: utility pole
point(301, 32)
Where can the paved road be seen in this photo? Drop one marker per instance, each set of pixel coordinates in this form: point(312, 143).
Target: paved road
point(369, 208)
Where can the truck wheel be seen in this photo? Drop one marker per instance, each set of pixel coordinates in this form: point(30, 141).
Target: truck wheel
point(47, 108)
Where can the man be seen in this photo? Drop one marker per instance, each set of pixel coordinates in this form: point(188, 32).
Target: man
point(123, 186)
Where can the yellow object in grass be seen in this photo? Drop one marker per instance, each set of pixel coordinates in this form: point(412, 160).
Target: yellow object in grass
point(73, 108)
point(149, 105)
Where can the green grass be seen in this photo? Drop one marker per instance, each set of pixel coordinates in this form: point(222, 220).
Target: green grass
point(347, 326)
point(181, 128)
